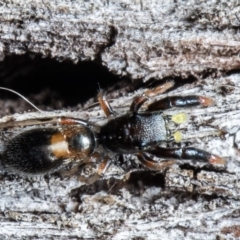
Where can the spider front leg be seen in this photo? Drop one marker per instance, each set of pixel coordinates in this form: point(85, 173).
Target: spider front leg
point(151, 164)
point(140, 100)
point(137, 102)
point(186, 153)
point(179, 101)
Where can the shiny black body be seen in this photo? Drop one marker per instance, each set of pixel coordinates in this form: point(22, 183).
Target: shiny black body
point(43, 150)
point(133, 132)
point(141, 133)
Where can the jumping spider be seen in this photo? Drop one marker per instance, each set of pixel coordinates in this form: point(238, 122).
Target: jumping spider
point(43, 150)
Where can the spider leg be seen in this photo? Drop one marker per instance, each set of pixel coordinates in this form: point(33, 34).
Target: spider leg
point(105, 105)
point(70, 172)
point(137, 102)
point(186, 153)
point(140, 100)
point(179, 101)
point(38, 121)
point(71, 121)
point(104, 165)
point(102, 168)
point(151, 164)
point(76, 121)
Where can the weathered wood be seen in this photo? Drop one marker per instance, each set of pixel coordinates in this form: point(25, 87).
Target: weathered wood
point(189, 200)
point(142, 40)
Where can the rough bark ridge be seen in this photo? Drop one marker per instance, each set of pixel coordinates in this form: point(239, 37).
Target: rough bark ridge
point(140, 39)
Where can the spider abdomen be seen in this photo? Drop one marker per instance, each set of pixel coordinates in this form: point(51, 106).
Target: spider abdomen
point(29, 152)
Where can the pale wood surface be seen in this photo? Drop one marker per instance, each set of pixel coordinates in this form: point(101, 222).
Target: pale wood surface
point(194, 201)
point(142, 40)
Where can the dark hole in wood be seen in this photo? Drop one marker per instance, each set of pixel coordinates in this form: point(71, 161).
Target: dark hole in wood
point(53, 81)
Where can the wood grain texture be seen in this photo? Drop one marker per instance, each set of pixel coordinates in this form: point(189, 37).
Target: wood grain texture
point(187, 201)
point(141, 40)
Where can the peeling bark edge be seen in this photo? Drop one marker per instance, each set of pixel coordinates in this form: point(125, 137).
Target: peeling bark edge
point(141, 39)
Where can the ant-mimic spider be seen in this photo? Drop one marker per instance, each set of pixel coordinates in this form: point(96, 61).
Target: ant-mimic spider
point(141, 133)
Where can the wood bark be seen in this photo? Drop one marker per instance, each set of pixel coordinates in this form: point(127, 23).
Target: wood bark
point(141, 40)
